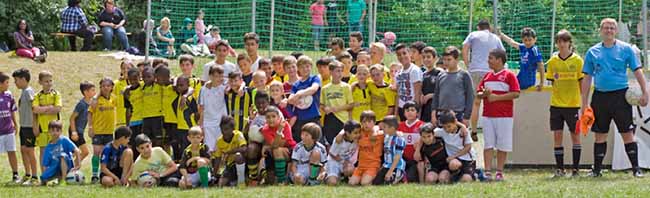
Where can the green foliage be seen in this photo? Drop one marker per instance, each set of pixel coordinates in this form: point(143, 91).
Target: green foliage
point(43, 16)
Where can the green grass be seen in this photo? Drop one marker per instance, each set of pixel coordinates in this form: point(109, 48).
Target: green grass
point(70, 68)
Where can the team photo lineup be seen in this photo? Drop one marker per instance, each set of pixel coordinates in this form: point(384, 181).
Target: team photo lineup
point(349, 117)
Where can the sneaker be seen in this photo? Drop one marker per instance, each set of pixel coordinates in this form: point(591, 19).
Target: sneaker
point(499, 177)
point(94, 180)
point(595, 174)
point(487, 177)
point(52, 183)
point(19, 181)
point(637, 173)
point(559, 173)
point(30, 182)
point(575, 173)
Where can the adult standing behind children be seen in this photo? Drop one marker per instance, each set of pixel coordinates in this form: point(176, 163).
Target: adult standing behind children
point(112, 20)
point(356, 13)
point(74, 21)
point(607, 63)
point(252, 43)
point(476, 48)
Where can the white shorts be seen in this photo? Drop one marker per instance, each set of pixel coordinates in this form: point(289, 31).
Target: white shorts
point(302, 170)
point(195, 178)
point(8, 142)
point(212, 133)
point(334, 168)
point(497, 133)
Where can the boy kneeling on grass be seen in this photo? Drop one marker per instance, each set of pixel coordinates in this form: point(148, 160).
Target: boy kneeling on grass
point(58, 155)
point(229, 160)
point(155, 162)
point(195, 161)
point(308, 157)
point(117, 159)
point(392, 171)
point(458, 147)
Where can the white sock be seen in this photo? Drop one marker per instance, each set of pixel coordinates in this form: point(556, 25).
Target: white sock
point(240, 172)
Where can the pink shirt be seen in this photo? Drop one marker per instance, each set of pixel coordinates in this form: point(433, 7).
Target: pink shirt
point(199, 29)
point(317, 13)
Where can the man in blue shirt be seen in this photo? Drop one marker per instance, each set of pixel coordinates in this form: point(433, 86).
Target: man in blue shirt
point(607, 63)
point(356, 13)
point(73, 21)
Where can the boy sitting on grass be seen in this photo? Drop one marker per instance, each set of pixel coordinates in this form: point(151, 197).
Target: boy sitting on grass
point(308, 157)
point(117, 159)
point(58, 156)
point(195, 163)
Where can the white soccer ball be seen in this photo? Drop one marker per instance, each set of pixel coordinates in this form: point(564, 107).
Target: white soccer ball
point(633, 95)
point(255, 134)
point(75, 177)
point(305, 102)
point(145, 180)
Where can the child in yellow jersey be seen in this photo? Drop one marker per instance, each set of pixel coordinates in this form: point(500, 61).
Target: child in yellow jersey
point(324, 71)
point(382, 98)
point(265, 66)
point(186, 63)
point(336, 103)
point(186, 110)
point(195, 164)
point(168, 96)
point(101, 117)
point(346, 59)
point(229, 157)
point(278, 70)
point(152, 112)
point(565, 71)
point(118, 92)
point(133, 104)
point(45, 107)
point(361, 93)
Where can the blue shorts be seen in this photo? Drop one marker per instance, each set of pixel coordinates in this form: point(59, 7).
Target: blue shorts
point(54, 170)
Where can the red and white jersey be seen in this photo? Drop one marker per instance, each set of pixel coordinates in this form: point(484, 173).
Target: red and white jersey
point(500, 83)
point(411, 133)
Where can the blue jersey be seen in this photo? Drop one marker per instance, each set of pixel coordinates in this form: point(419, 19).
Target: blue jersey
point(394, 145)
point(312, 111)
point(111, 156)
point(608, 65)
point(82, 116)
point(529, 57)
point(63, 148)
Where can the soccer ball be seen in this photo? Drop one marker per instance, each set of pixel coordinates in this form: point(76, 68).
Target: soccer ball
point(255, 134)
point(75, 177)
point(145, 180)
point(633, 95)
point(305, 102)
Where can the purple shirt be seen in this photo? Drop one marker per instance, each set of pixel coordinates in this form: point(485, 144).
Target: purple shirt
point(7, 107)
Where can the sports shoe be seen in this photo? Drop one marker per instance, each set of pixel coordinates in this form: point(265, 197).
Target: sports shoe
point(499, 177)
point(575, 173)
point(559, 173)
point(30, 182)
point(487, 177)
point(595, 174)
point(94, 180)
point(637, 173)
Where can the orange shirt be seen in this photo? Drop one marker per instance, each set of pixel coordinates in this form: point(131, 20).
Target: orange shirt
point(370, 148)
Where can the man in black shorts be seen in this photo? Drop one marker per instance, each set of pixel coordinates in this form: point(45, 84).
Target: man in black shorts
point(607, 63)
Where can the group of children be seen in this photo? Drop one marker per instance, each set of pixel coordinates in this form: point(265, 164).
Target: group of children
point(272, 121)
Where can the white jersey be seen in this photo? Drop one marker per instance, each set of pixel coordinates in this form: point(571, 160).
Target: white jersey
point(214, 104)
point(346, 150)
point(454, 143)
point(301, 154)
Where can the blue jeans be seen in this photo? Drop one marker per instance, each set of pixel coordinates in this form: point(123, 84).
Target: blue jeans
point(108, 37)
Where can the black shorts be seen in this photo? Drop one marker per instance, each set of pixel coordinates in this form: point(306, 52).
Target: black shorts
point(230, 172)
point(298, 126)
point(331, 127)
point(153, 127)
point(412, 175)
point(116, 171)
point(400, 113)
point(466, 168)
point(102, 139)
point(170, 131)
point(80, 141)
point(27, 137)
point(560, 115)
point(611, 105)
point(438, 167)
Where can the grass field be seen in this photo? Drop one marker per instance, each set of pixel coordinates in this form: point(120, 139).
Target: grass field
point(70, 68)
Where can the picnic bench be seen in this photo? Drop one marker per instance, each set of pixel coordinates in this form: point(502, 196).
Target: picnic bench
point(60, 35)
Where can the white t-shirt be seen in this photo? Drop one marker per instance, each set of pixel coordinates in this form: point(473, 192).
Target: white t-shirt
point(406, 80)
point(346, 150)
point(481, 42)
point(256, 63)
point(454, 143)
point(214, 104)
point(228, 67)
